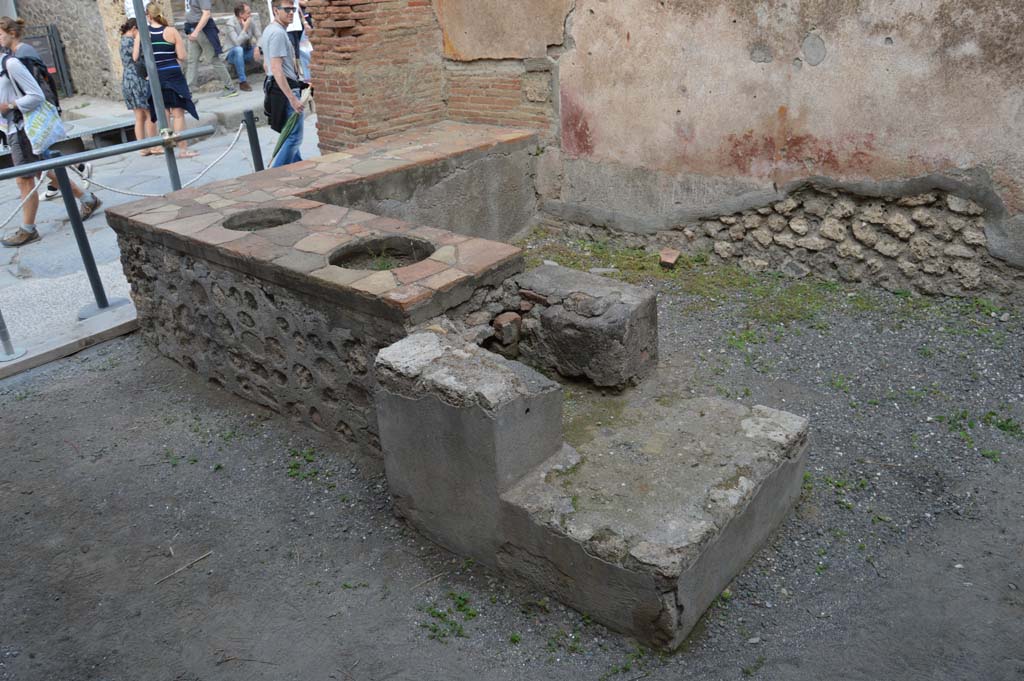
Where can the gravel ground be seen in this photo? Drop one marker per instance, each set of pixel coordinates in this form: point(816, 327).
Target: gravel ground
point(903, 560)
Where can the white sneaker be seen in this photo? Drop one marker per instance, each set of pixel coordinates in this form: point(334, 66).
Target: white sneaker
point(86, 170)
point(50, 192)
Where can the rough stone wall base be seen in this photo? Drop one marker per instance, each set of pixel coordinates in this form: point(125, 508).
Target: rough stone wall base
point(293, 353)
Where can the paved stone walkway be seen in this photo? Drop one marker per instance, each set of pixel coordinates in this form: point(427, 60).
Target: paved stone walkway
point(43, 285)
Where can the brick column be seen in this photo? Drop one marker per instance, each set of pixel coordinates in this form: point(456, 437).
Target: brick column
point(376, 68)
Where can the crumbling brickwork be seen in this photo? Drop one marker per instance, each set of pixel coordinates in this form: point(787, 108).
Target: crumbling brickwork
point(519, 95)
point(376, 68)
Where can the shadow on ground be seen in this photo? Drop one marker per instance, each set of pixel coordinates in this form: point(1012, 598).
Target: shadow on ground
point(904, 559)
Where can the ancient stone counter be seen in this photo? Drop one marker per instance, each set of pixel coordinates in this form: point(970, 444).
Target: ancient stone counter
point(286, 300)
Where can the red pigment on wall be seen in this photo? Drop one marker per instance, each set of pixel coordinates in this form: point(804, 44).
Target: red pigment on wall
point(577, 138)
point(782, 149)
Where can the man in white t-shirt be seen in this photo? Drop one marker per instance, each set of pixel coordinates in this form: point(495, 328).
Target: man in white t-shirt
point(283, 86)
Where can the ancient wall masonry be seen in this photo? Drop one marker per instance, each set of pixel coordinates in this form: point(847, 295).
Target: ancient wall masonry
point(384, 67)
point(376, 68)
point(564, 323)
point(89, 29)
point(286, 300)
point(370, 328)
point(932, 243)
point(297, 354)
point(582, 325)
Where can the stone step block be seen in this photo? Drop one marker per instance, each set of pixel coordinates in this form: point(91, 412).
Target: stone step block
point(585, 325)
point(647, 523)
point(460, 425)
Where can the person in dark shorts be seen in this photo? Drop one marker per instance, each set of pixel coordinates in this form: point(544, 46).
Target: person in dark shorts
point(20, 93)
point(23, 50)
point(168, 53)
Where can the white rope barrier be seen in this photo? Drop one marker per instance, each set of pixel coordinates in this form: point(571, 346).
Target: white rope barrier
point(195, 179)
point(93, 181)
point(28, 196)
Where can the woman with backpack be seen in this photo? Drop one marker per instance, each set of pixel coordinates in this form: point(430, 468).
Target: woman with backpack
point(168, 53)
point(20, 93)
point(29, 56)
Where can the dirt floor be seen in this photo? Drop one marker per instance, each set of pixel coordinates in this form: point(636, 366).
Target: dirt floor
point(903, 560)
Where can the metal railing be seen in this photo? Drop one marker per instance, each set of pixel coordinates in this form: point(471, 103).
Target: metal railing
point(59, 165)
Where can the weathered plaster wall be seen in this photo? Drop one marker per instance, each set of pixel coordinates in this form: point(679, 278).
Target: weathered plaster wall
point(704, 106)
point(512, 30)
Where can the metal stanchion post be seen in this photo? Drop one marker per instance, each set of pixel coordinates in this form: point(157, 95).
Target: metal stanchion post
point(254, 140)
point(9, 352)
point(155, 90)
point(83, 246)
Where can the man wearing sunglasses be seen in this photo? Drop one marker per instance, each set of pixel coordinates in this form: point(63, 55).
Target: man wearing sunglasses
point(283, 88)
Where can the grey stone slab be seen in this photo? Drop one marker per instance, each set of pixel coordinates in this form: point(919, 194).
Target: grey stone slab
point(459, 425)
point(650, 520)
point(591, 326)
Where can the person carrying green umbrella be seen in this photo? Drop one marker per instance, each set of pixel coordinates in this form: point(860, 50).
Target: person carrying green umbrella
point(284, 103)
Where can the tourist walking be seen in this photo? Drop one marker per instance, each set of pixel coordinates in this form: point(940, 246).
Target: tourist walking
point(168, 53)
point(25, 52)
point(20, 94)
point(204, 41)
point(283, 87)
point(134, 87)
point(243, 34)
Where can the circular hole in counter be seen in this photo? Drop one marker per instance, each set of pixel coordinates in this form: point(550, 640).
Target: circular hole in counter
point(261, 218)
point(382, 253)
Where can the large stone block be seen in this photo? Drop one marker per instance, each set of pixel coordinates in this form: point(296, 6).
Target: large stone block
point(459, 426)
point(647, 524)
point(584, 325)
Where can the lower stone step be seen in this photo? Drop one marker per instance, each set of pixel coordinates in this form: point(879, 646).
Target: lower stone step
point(647, 523)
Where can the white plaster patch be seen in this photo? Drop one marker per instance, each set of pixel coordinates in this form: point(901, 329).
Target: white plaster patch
point(965, 50)
point(409, 356)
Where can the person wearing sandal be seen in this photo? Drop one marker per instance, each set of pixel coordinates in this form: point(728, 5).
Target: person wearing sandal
point(168, 52)
point(134, 87)
point(20, 93)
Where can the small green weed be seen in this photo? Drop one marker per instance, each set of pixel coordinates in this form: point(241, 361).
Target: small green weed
point(1007, 424)
point(840, 382)
point(754, 667)
point(569, 641)
point(634, 660)
point(741, 340)
point(986, 307)
point(298, 466)
point(354, 585)
point(991, 454)
point(445, 622)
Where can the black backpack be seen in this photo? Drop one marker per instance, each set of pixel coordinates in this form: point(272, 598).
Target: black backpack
point(42, 75)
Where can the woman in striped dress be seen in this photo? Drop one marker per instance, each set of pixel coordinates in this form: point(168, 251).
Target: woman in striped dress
point(169, 52)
